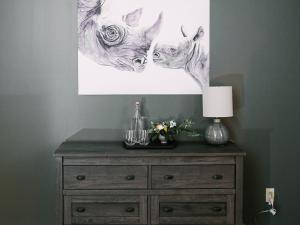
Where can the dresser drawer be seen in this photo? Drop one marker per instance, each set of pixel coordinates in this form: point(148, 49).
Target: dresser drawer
point(193, 176)
point(105, 177)
point(105, 210)
point(193, 209)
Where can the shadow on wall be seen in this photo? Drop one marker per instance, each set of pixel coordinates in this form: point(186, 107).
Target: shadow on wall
point(256, 142)
point(27, 166)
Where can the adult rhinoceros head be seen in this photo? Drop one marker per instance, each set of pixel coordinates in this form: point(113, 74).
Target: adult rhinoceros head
point(123, 44)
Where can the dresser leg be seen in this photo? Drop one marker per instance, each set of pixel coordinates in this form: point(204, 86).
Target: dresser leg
point(59, 197)
point(239, 190)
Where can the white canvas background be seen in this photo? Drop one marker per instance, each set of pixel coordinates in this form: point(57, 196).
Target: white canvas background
point(94, 79)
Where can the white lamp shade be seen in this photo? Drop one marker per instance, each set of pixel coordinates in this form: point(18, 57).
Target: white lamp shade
point(217, 101)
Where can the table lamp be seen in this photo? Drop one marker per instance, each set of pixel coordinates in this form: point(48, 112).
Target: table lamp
point(217, 103)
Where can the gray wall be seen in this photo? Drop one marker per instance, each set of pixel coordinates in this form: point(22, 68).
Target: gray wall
point(254, 47)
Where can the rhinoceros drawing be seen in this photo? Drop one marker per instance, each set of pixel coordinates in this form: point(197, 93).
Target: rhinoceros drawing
point(189, 55)
point(120, 44)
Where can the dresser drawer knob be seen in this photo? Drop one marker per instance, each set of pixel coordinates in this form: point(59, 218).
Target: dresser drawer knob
point(168, 177)
point(130, 209)
point(217, 209)
point(217, 177)
point(80, 177)
point(168, 209)
point(80, 209)
point(130, 177)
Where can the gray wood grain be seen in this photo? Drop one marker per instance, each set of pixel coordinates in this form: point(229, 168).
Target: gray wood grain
point(239, 190)
point(193, 198)
point(149, 209)
point(230, 209)
point(106, 209)
point(143, 209)
point(198, 220)
point(59, 196)
point(106, 220)
point(154, 210)
point(67, 210)
point(172, 192)
point(205, 185)
point(115, 149)
point(105, 177)
point(149, 160)
point(191, 209)
point(188, 209)
point(193, 176)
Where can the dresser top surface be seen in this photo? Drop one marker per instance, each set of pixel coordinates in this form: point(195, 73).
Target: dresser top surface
point(93, 143)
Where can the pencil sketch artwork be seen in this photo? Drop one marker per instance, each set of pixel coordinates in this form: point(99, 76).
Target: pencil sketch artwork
point(122, 44)
point(190, 55)
point(143, 47)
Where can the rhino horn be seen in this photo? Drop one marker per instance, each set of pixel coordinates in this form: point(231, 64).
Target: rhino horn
point(152, 32)
point(182, 31)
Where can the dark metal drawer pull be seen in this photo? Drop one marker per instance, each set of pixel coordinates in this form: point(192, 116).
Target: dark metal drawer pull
point(167, 209)
point(130, 209)
point(217, 177)
point(80, 177)
point(80, 209)
point(217, 209)
point(168, 177)
point(130, 177)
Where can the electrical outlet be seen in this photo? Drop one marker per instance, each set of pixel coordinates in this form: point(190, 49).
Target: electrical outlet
point(270, 195)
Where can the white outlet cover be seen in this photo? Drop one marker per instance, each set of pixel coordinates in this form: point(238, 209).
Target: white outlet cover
point(270, 191)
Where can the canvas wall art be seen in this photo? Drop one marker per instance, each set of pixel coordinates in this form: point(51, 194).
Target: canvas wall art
point(143, 46)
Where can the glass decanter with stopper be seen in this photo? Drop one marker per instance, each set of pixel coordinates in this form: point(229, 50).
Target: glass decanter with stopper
point(137, 134)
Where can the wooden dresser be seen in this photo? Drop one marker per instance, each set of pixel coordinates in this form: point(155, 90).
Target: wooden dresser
point(102, 183)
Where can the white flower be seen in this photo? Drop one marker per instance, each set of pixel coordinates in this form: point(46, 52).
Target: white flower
point(172, 124)
point(159, 127)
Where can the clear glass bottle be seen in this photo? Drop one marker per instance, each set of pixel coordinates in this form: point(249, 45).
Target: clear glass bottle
point(137, 123)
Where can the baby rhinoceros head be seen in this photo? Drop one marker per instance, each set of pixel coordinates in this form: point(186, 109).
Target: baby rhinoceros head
point(176, 56)
point(189, 55)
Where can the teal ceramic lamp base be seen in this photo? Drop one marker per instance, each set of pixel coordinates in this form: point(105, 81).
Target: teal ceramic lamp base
point(216, 133)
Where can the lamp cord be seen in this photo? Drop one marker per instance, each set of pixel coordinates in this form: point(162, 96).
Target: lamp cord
point(272, 210)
